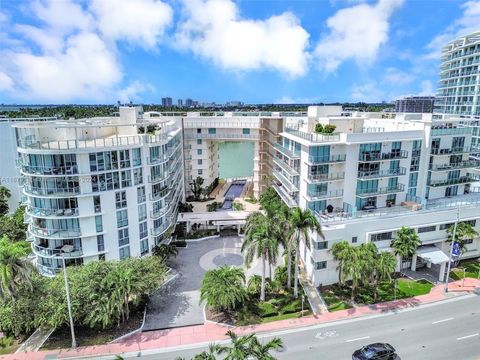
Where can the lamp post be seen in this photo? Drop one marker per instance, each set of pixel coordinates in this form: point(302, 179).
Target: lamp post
point(454, 234)
point(68, 249)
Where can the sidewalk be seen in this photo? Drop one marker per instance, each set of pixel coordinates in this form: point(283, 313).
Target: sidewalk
point(315, 300)
point(210, 332)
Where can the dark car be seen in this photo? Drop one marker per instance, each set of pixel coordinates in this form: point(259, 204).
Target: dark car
point(377, 351)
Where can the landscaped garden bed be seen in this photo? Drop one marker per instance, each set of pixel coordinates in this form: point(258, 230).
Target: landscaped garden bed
point(338, 297)
point(472, 270)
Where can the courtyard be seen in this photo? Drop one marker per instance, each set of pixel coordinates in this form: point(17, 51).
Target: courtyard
point(177, 303)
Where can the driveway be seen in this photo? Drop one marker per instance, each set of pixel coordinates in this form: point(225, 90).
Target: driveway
point(178, 303)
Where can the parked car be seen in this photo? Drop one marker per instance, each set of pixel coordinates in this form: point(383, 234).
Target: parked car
point(377, 351)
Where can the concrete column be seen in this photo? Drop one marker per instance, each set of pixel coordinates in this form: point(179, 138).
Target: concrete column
point(397, 268)
point(218, 228)
point(238, 229)
point(441, 276)
point(189, 227)
point(413, 267)
point(429, 264)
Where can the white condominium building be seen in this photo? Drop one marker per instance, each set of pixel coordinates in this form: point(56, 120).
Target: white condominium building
point(100, 188)
point(372, 176)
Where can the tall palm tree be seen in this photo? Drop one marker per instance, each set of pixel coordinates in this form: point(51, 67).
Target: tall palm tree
point(354, 267)
point(14, 267)
point(223, 288)
point(261, 241)
point(302, 222)
point(384, 267)
point(286, 238)
point(405, 243)
point(339, 251)
point(463, 233)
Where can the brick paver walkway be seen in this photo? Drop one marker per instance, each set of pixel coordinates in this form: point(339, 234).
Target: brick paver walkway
point(210, 332)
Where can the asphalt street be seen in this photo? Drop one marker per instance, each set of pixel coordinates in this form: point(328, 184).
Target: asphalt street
point(445, 330)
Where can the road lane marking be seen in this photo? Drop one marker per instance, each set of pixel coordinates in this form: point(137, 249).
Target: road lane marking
point(441, 321)
point(467, 336)
point(362, 338)
point(326, 334)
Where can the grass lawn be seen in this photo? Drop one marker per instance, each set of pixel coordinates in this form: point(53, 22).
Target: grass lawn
point(337, 297)
point(10, 349)
point(295, 315)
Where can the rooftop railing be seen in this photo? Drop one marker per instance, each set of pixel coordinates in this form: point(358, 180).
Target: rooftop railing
point(451, 131)
point(313, 137)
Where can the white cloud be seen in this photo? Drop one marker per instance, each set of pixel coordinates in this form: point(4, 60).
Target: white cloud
point(132, 91)
point(214, 30)
point(395, 77)
point(140, 22)
point(355, 33)
point(469, 22)
point(369, 92)
point(301, 100)
point(72, 54)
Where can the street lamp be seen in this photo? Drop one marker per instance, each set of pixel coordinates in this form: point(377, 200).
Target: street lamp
point(68, 249)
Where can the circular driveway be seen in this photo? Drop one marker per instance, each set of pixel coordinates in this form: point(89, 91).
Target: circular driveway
point(219, 257)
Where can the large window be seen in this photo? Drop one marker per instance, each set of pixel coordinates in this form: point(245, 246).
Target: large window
point(122, 218)
point(105, 182)
point(142, 212)
point(137, 176)
point(141, 197)
point(142, 227)
point(319, 265)
point(212, 131)
point(121, 200)
point(382, 236)
point(320, 153)
point(426, 229)
point(98, 223)
point(124, 252)
point(96, 204)
point(100, 243)
point(320, 245)
point(123, 238)
point(103, 161)
point(136, 157)
point(124, 159)
point(126, 178)
point(143, 246)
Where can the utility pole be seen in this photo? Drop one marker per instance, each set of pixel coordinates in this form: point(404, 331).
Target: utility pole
point(454, 234)
point(69, 305)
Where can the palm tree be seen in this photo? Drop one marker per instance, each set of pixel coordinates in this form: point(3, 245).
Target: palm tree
point(405, 243)
point(384, 267)
point(240, 349)
point(15, 269)
point(262, 351)
point(339, 251)
point(223, 288)
point(286, 238)
point(196, 187)
point(261, 241)
point(463, 233)
point(5, 194)
point(354, 267)
point(165, 251)
point(302, 221)
point(213, 350)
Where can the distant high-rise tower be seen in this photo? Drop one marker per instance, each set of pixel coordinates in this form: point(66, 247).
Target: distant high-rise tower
point(180, 102)
point(167, 101)
point(415, 104)
point(459, 85)
point(188, 102)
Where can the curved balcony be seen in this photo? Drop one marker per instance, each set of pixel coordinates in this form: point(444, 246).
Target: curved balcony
point(159, 195)
point(49, 170)
point(47, 270)
point(54, 233)
point(162, 158)
point(51, 192)
point(41, 212)
point(287, 152)
point(48, 252)
point(155, 214)
point(161, 229)
point(286, 167)
point(287, 183)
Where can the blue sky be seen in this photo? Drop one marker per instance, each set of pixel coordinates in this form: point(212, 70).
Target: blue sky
point(256, 51)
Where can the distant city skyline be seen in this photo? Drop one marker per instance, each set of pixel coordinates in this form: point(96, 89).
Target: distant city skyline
point(224, 50)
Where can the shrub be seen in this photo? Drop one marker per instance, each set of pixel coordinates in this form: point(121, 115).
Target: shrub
point(238, 206)
point(6, 342)
point(319, 128)
point(328, 129)
point(214, 206)
point(266, 309)
point(293, 306)
point(251, 200)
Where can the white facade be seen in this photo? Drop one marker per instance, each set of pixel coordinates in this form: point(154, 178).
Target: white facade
point(373, 176)
point(104, 186)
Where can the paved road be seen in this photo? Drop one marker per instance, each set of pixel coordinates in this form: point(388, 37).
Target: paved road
point(446, 330)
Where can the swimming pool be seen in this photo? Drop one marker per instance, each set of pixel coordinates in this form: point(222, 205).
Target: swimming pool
point(234, 190)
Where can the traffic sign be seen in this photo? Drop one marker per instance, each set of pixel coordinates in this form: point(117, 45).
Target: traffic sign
point(456, 249)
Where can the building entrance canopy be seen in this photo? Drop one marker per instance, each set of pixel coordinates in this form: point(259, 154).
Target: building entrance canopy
point(432, 254)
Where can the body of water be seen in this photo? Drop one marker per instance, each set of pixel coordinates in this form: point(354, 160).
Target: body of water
point(236, 159)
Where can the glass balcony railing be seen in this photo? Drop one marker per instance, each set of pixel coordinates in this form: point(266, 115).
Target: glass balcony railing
point(317, 195)
point(35, 211)
point(286, 167)
point(49, 252)
point(49, 170)
point(466, 164)
point(161, 229)
point(288, 153)
point(165, 156)
point(55, 233)
point(33, 190)
point(451, 131)
point(326, 177)
point(377, 156)
point(314, 160)
point(313, 137)
point(287, 199)
point(456, 181)
point(365, 175)
point(288, 184)
point(447, 151)
point(155, 214)
point(380, 191)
